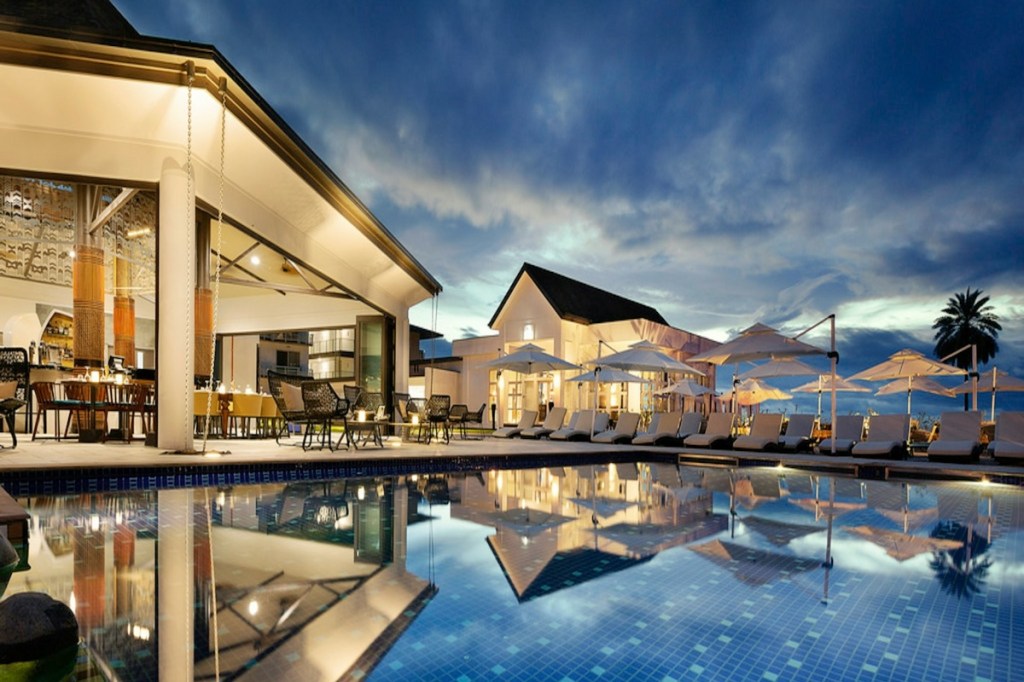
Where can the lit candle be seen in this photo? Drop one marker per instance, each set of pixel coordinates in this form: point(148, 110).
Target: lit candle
point(415, 419)
point(94, 376)
point(361, 415)
point(118, 379)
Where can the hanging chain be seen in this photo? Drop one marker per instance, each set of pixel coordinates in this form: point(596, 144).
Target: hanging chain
point(220, 239)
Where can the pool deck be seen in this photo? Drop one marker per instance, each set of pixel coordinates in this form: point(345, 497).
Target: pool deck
point(47, 459)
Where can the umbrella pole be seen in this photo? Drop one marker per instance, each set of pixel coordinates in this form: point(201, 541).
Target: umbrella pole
point(833, 359)
point(992, 414)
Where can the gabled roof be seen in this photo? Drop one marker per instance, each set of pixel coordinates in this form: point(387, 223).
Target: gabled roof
point(63, 17)
point(578, 302)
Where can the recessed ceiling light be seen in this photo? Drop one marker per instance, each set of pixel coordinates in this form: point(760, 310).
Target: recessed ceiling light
point(254, 259)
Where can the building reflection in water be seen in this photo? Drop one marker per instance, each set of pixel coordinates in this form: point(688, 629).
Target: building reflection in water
point(309, 580)
point(299, 581)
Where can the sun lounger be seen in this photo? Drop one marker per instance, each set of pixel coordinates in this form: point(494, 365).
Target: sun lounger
point(847, 432)
point(764, 433)
point(959, 438)
point(663, 425)
point(525, 421)
point(1008, 445)
point(586, 424)
point(717, 434)
point(688, 425)
point(675, 429)
point(887, 437)
point(799, 432)
point(625, 429)
point(552, 423)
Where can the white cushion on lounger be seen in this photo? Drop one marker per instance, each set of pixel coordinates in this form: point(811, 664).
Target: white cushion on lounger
point(953, 448)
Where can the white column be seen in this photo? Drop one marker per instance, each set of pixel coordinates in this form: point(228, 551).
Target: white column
point(175, 318)
point(402, 349)
point(176, 585)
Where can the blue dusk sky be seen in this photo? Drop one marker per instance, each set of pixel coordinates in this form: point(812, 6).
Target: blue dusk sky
point(725, 162)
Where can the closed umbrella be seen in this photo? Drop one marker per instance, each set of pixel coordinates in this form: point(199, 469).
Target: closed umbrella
point(994, 381)
point(915, 383)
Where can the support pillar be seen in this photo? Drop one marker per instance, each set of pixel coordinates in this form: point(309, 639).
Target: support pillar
point(88, 282)
point(124, 312)
point(203, 301)
point(175, 318)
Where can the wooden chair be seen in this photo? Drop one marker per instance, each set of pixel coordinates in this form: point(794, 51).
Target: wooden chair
point(48, 396)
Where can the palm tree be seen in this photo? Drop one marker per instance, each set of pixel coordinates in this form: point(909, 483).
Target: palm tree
point(967, 320)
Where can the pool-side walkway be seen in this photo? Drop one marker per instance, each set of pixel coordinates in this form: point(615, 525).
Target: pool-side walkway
point(72, 460)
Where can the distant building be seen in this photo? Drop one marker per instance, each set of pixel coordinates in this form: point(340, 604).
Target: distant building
point(576, 322)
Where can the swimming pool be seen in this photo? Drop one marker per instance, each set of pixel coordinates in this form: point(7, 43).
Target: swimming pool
point(594, 572)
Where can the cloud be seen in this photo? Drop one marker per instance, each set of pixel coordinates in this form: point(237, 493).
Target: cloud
point(727, 164)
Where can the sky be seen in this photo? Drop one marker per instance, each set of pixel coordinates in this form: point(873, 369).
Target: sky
point(726, 163)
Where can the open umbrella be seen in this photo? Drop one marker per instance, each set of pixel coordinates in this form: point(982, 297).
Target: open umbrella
point(915, 383)
point(528, 359)
point(995, 381)
point(905, 365)
point(688, 388)
point(608, 375)
point(755, 392)
point(824, 383)
point(644, 356)
point(902, 546)
point(757, 342)
point(779, 367)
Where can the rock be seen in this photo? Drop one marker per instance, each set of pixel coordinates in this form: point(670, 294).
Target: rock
point(33, 626)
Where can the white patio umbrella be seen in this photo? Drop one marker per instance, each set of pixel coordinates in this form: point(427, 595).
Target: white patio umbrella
point(528, 359)
point(755, 392)
point(756, 342)
point(779, 367)
point(644, 356)
point(994, 381)
point(824, 383)
point(915, 383)
point(760, 342)
point(606, 375)
point(688, 388)
point(906, 365)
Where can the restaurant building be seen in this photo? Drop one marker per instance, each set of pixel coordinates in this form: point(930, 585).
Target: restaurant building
point(118, 154)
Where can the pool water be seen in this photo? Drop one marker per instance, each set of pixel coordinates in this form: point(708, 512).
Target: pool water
point(592, 572)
